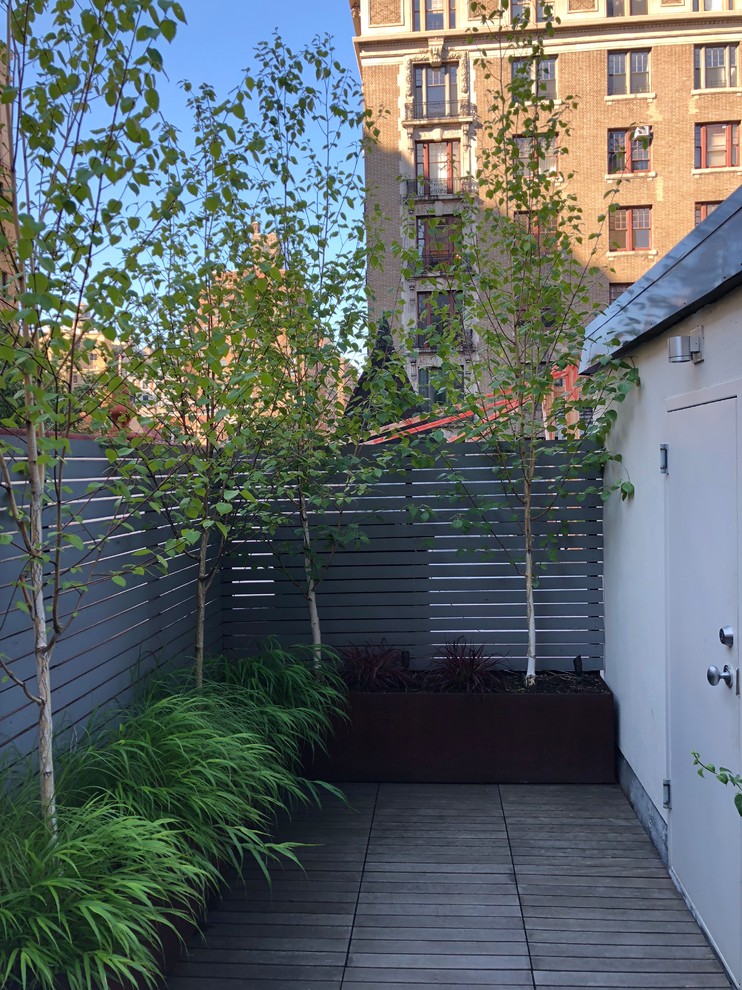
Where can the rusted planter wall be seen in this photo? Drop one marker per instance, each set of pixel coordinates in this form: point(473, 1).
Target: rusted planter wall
point(459, 738)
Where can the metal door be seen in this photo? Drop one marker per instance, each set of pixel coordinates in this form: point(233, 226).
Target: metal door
point(705, 831)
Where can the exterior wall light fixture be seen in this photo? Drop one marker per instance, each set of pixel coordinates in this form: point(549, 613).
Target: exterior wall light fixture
point(683, 349)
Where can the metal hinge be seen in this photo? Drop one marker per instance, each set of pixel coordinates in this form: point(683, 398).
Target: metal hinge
point(666, 799)
point(663, 458)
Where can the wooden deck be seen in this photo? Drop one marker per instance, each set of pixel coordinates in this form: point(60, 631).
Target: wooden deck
point(466, 886)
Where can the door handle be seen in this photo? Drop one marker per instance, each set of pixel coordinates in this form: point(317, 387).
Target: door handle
point(714, 675)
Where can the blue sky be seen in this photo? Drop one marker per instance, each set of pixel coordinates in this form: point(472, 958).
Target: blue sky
point(217, 43)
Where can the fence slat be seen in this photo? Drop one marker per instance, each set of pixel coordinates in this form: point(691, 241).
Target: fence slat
point(419, 583)
point(119, 634)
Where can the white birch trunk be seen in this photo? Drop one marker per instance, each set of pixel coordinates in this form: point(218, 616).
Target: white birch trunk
point(42, 648)
point(311, 583)
point(530, 608)
point(202, 588)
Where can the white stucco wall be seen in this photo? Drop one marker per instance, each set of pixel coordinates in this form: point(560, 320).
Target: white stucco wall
point(635, 538)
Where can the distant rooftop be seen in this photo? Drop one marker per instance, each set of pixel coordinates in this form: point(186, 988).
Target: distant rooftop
point(704, 266)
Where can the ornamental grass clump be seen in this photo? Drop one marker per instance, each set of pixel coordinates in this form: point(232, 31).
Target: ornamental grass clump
point(195, 759)
point(374, 667)
point(88, 905)
point(297, 700)
point(151, 811)
point(464, 667)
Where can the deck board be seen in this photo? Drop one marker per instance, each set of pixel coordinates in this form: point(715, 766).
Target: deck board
point(457, 886)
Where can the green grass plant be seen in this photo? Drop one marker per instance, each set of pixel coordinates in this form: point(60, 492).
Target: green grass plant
point(152, 808)
point(288, 678)
point(89, 904)
point(192, 758)
point(301, 699)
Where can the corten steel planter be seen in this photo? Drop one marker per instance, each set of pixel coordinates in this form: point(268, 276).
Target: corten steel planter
point(507, 738)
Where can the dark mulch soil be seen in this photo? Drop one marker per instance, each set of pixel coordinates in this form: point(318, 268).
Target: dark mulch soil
point(555, 682)
point(510, 682)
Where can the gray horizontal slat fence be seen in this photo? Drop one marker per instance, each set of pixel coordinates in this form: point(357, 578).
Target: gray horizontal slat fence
point(118, 633)
point(423, 578)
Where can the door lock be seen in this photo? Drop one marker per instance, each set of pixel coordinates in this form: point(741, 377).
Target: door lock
point(714, 675)
point(726, 636)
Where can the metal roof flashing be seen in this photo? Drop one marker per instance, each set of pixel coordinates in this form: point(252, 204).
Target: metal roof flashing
point(702, 267)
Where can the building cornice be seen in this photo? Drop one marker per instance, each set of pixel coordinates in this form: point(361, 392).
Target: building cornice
point(655, 31)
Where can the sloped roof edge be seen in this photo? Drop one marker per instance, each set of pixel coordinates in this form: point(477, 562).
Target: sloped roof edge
point(702, 267)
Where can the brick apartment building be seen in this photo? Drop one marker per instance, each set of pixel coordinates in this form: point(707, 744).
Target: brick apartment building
point(660, 105)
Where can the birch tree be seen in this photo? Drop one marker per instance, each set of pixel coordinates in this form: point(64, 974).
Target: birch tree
point(307, 125)
point(525, 266)
point(249, 301)
point(200, 293)
point(78, 103)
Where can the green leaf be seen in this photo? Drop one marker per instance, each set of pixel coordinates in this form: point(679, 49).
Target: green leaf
point(152, 98)
point(89, 22)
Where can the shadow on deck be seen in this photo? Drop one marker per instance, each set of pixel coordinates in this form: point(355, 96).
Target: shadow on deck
point(445, 885)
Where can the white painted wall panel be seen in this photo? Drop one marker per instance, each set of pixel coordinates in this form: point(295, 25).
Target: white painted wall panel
point(635, 541)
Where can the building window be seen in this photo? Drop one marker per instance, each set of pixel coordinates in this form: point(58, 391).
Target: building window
point(627, 153)
point(630, 229)
point(704, 210)
point(430, 387)
point(522, 80)
point(616, 289)
point(439, 315)
point(628, 72)
point(437, 168)
point(546, 82)
point(713, 5)
point(520, 9)
point(714, 66)
point(433, 15)
point(538, 155)
point(438, 386)
point(436, 91)
point(717, 145)
point(544, 230)
point(522, 74)
point(622, 8)
point(436, 240)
